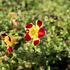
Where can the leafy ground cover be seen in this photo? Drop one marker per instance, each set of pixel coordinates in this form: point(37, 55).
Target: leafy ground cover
point(53, 51)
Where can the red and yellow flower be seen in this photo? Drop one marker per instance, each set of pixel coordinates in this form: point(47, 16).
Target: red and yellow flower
point(34, 32)
point(9, 42)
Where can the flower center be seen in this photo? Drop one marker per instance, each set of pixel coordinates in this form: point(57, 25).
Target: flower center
point(33, 32)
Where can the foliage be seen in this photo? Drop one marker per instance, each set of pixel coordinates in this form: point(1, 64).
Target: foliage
point(53, 52)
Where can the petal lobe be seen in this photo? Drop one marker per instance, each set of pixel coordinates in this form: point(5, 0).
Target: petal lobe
point(36, 42)
point(27, 37)
point(39, 23)
point(29, 25)
point(10, 50)
point(41, 32)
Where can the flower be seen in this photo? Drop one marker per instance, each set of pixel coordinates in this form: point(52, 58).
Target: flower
point(34, 32)
point(15, 24)
point(9, 42)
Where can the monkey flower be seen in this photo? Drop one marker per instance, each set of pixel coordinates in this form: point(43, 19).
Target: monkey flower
point(34, 32)
point(9, 42)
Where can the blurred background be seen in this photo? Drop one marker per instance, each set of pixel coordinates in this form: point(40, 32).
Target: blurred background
point(53, 53)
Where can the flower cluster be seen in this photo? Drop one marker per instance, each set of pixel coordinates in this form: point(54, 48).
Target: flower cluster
point(34, 32)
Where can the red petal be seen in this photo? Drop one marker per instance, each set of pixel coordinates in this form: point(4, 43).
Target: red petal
point(39, 23)
point(41, 32)
point(27, 37)
point(36, 42)
point(10, 50)
point(29, 25)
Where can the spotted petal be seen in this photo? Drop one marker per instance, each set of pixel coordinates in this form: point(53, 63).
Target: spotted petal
point(41, 32)
point(27, 37)
point(29, 25)
point(36, 42)
point(39, 23)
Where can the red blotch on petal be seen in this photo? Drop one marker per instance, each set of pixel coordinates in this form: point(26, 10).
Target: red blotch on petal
point(36, 42)
point(29, 25)
point(27, 37)
point(41, 32)
point(39, 23)
point(10, 50)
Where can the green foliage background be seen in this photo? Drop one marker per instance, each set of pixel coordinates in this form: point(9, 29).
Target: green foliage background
point(53, 48)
